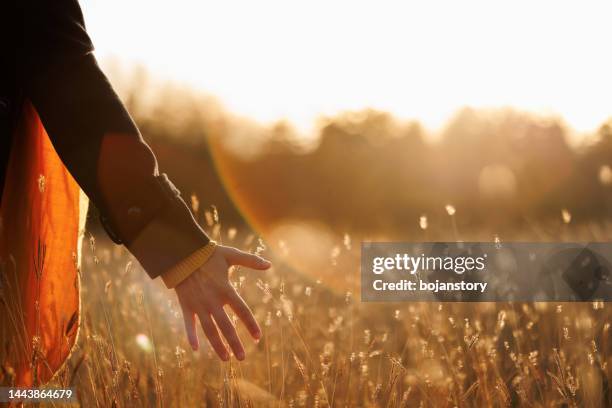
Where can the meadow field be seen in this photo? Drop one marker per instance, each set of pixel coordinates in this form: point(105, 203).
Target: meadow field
point(322, 347)
point(298, 131)
point(366, 175)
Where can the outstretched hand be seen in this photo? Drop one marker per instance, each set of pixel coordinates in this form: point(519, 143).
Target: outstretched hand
point(208, 290)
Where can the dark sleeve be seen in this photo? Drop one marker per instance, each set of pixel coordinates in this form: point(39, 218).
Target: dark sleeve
point(101, 146)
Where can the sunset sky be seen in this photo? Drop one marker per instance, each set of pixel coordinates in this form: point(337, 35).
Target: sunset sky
point(420, 59)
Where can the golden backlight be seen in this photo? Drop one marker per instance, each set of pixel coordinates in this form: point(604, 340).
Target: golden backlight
point(422, 59)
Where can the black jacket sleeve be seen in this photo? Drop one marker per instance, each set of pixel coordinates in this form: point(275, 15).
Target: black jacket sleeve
point(98, 141)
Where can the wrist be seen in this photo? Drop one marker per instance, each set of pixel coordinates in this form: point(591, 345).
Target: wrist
point(185, 268)
point(172, 236)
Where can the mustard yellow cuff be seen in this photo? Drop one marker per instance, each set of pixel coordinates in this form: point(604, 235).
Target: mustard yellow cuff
point(187, 266)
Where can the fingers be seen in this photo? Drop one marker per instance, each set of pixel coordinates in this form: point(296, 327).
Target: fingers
point(237, 257)
point(192, 336)
point(243, 311)
point(213, 335)
point(229, 332)
point(209, 308)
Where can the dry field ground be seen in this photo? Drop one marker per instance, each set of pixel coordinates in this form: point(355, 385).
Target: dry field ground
point(323, 347)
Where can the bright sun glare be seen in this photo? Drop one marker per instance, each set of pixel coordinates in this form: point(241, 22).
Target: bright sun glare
point(420, 59)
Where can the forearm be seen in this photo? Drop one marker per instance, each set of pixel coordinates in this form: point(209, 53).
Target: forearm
point(102, 148)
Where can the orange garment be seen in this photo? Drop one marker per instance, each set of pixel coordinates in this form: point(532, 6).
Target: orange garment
point(42, 220)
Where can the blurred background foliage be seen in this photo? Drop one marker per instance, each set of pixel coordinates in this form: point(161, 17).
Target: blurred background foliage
point(367, 171)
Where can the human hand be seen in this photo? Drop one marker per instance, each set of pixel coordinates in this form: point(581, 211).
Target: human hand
point(206, 291)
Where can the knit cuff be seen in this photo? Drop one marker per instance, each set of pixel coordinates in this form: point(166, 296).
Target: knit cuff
point(187, 266)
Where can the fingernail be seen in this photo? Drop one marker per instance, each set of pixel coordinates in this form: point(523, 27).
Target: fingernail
point(225, 356)
point(240, 355)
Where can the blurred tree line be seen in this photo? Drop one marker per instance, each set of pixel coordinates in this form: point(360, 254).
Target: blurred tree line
point(368, 171)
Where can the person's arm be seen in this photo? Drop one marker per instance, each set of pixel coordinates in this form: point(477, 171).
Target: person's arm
point(102, 148)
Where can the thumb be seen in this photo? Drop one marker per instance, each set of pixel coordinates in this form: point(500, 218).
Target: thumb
point(237, 257)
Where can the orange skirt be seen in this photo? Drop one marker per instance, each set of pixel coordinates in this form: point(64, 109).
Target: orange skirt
point(42, 217)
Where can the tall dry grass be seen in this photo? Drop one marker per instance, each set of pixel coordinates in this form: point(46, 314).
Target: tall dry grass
point(323, 347)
